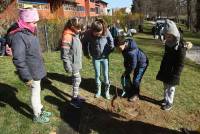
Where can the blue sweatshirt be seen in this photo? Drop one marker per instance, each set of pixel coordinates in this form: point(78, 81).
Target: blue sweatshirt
point(133, 57)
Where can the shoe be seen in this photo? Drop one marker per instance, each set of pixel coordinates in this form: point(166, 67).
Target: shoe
point(133, 98)
point(98, 94)
point(163, 102)
point(45, 113)
point(40, 119)
point(81, 98)
point(107, 90)
point(107, 96)
point(167, 107)
point(76, 103)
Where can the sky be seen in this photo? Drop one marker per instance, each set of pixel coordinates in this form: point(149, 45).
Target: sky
point(118, 3)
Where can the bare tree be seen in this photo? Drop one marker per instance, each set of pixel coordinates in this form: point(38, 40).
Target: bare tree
point(189, 15)
point(198, 15)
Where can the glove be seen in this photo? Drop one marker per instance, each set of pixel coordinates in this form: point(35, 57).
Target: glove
point(29, 83)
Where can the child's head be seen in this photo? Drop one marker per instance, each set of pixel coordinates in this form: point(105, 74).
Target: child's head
point(29, 15)
point(121, 43)
point(171, 32)
point(98, 27)
point(169, 37)
point(74, 24)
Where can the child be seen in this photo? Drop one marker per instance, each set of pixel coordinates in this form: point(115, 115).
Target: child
point(98, 43)
point(71, 54)
point(27, 58)
point(172, 63)
point(2, 47)
point(135, 63)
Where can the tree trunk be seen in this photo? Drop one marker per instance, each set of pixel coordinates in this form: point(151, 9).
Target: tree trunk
point(189, 15)
point(198, 15)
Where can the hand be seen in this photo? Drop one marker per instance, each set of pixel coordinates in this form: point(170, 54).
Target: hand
point(29, 83)
point(8, 50)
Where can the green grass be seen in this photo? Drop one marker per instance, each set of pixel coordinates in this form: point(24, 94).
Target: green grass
point(15, 109)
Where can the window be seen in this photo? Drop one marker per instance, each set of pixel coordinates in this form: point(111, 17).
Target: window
point(68, 7)
point(80, 8)
point(37, 6)
point(92, 9)
point(97, 10)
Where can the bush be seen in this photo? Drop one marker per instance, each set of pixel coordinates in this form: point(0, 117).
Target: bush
point(4, 4)
point(50, 34)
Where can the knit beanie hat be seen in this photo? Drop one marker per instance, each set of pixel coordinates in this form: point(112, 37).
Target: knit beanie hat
point(29, 15)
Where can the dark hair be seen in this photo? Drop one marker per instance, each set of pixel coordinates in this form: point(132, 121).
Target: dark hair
point(73, 22)
point(120, 40)
point(98, 25)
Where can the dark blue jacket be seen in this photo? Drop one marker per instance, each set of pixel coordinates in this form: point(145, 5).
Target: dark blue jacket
point(27, 56)
point(133, 57)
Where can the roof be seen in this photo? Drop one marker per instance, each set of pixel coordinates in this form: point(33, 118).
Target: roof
point(70, 1)
point(101, 1)
point(33, 1)
point(44, 1)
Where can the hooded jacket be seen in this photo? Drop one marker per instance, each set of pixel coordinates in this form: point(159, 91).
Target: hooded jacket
point(97, 47)
point(170, 28)
point(71, 51)
point(173, 60)
point(27, 56)
point(133, 57)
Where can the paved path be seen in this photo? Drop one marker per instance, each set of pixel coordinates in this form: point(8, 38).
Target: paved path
point(194, 54)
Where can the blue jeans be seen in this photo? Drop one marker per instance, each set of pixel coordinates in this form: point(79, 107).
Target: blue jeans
point(138, 74)
point(97, 67)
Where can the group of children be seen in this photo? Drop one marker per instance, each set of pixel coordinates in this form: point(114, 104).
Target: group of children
point(97, 43)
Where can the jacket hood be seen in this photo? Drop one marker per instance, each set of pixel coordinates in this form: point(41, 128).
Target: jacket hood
point(15, 28)
point(170, 28)
point(68, 31)
point(131, 44)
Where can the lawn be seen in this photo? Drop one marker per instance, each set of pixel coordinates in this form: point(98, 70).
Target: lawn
point(100, 116)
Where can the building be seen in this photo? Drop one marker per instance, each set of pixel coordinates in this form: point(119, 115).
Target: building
point(68, 8)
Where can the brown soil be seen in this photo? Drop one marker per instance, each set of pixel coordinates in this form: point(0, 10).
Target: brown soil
point(141, 117)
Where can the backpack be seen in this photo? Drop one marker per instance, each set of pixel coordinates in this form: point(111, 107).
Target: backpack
point(13, 29)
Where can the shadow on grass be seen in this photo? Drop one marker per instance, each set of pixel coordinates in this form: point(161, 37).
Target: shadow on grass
point(87, 84)
point(151, 100)
point(8, 97)
point(47, 84)
point(92, 119)
point(69, 115)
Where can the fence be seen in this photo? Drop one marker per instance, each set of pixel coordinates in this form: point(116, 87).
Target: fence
point(49, 34)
